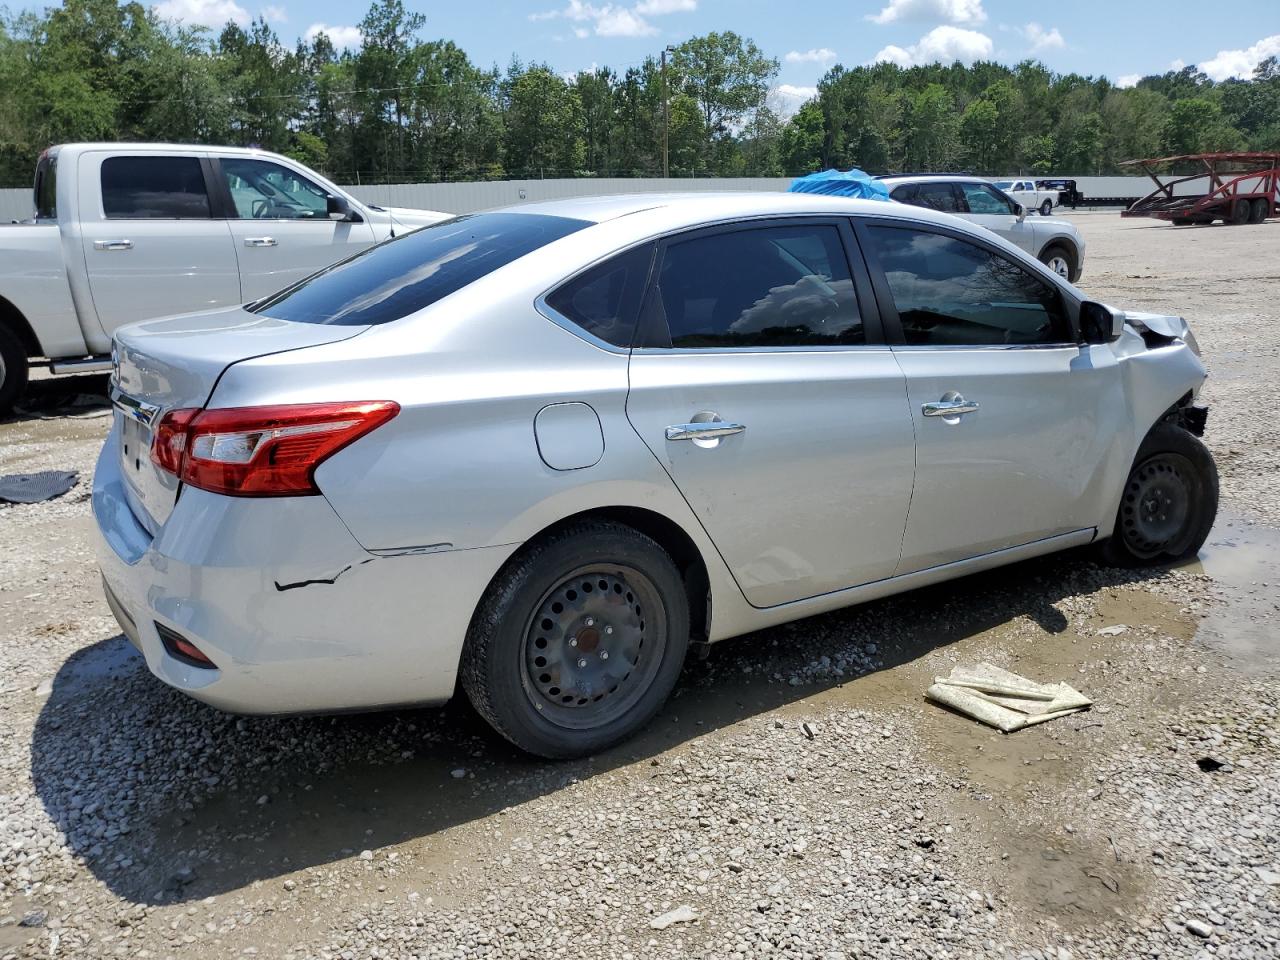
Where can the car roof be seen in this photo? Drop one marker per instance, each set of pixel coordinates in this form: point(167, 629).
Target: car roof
point(124, 146)
point(937, 178)
point(675, 210)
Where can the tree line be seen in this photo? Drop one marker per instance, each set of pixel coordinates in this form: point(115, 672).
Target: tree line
point(403, 108)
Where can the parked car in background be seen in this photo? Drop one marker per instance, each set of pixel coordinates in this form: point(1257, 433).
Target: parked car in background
point(1029, 195)
point(130, 231)
point(1068, 193)
point(1054, 242)
point(544, 450)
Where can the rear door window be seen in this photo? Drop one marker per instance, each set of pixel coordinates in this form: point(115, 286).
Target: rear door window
point(154, 188)
point(401, 276)
point(937, 196)
point(786, 286)
point(949, 292)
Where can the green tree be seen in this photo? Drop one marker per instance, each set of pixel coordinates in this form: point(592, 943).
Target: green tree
point(800, 149)
point(543, 136)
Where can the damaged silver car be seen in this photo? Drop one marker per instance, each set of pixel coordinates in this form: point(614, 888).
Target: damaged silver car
point(547, 451)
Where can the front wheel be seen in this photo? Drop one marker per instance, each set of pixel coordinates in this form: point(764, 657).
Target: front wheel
point(579, 641)
point(1169, 503)
point(1046, 208)
point(1061, 261)
point(13, 370)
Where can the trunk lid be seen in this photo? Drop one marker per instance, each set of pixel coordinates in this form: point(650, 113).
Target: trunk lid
point(160, 365)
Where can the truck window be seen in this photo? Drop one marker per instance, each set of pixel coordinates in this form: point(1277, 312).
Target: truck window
point(47, 189)
point(154, 188)
point(262, 190)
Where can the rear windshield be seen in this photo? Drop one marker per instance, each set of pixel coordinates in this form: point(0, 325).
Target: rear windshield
point(395, 278)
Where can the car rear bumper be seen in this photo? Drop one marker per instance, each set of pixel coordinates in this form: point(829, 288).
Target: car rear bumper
point(294, 614)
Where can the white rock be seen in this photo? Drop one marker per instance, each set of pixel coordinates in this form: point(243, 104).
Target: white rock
point(681, 914)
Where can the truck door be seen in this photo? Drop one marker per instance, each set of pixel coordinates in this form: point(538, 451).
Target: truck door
point(281, 225)
point(151, 244)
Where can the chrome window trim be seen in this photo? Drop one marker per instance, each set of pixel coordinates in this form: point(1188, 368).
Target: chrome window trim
point(549, 312)
point(989, 346)
point(739, 351)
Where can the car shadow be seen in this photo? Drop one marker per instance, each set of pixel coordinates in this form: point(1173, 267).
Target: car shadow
point(82, 394)
point(166, 800)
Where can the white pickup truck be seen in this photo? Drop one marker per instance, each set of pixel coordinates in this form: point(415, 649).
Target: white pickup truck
point(1029, 195)
point(126, 232)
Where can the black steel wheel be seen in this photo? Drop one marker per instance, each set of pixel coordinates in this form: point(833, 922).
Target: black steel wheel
point(1240, 212)
point(1169, 502)
point(1046, 208)
point(579, 640)
point(1259, 210)
point(593, 645)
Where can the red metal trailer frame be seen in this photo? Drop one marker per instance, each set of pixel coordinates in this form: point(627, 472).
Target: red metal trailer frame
point(1242, 188)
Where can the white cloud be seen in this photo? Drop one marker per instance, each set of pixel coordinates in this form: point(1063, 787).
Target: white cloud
point(1240, 63)
point(275, 15)
point(1128, 80)
point(786, 98)
point(940, 45)
point(1177, 64)
point(822, 55)
point(660, 8)
point(205, 13)
point(343, 38)
point(1042, 39)
point(951, 11)
point(792, 92)
point(614, 20)
point(620, 22)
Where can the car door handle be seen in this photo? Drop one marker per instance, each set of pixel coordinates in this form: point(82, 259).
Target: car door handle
point(113, 244)
point(261, 242)
point(949, 408)
point(711, 430)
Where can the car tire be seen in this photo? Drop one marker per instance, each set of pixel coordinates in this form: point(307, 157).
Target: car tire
point(1169, 504)
point(1181, 222)
point(1061, 259)
point(1258, 210)
point(1046, 208)
point(579, 640)
point(1241, 212)
point(13, 370)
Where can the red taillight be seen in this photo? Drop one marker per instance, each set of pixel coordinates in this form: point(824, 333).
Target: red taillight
point(261, 451)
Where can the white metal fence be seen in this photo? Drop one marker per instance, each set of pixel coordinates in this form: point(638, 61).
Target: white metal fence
point(469, 197)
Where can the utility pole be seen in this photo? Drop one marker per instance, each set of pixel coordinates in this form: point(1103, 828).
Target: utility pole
point(666, 114)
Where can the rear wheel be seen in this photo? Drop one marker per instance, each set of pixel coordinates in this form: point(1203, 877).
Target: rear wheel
point(1259, 211)
point(1241, 210)
point(1060, 260)
point(13, 370)
point(579, 641)
point(1046, 208)
point(1169, 503)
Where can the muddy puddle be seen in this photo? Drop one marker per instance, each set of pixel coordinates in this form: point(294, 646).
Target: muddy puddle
point(1244, 561)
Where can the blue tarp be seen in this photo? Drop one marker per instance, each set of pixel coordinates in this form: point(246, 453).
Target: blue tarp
point(841, 183)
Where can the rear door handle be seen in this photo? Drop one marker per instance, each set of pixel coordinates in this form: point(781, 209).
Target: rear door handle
point(261, 242)
point(711, 430)
point(113, 244)
point(952, 405)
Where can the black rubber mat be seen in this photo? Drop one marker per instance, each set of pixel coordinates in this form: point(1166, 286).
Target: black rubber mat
point(35, 487)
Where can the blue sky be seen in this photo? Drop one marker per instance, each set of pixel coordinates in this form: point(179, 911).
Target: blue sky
point(1122, 39)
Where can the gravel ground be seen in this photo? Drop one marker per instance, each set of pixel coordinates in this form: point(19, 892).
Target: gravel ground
point(798, 797)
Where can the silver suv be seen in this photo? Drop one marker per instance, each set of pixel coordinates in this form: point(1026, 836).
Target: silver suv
point(1055, 243)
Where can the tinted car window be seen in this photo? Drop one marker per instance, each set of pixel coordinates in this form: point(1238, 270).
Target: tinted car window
point(154, 188)
point(984, 198)
point(261, 190)
point(937, 196)
point(393, 279)
point(604, 300)
point(765, 287)
point(949, 292)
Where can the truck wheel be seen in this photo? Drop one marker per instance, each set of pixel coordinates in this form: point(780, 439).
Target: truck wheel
point(1169, 503)
point(1061, 261)
point(1259, 211)
point(13, 370)
point(1046, 208)
point(1241, 211)
point(579, 641)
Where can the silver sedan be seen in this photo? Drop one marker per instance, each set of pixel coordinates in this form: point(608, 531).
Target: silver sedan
point(548, 450)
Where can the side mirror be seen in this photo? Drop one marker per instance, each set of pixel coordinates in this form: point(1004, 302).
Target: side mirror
point(339, 209)
point(1100, 323)
point(1019, 211)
